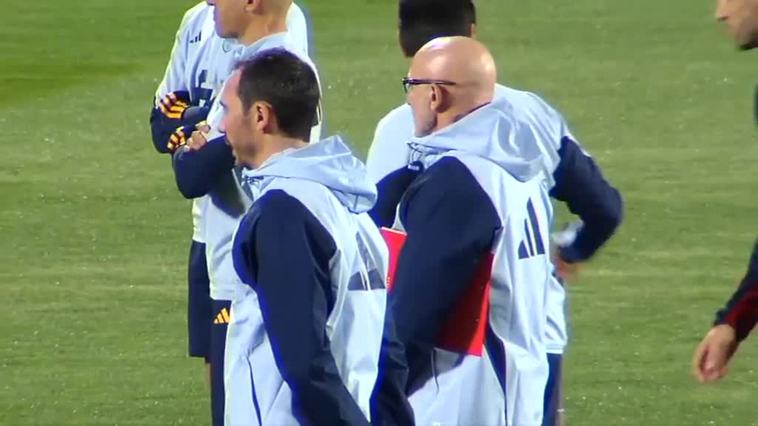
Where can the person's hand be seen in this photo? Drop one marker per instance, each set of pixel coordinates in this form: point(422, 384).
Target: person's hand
point(199, 137)
point(179, 138)
point(173, 104)
point(193, 137)
point(566, 271)
point(710, 362)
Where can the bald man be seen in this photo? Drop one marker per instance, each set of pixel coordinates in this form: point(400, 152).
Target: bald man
point(468, 84)
point(469, 289)
point(571, 174)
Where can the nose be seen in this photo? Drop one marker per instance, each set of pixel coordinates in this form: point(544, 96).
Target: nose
point(222, 126)
point(721, 13)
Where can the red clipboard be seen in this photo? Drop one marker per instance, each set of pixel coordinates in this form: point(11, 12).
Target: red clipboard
point(465, 329)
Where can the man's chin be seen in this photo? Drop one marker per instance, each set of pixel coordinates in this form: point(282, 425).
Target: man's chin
point(222, 33)
point(749, 42)
point(224, 36)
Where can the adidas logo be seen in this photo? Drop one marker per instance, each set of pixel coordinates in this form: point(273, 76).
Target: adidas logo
point(222, 317)
point(196, 38)
point(532, 244)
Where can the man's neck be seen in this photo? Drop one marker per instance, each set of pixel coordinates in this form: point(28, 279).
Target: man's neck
point(452, 117)
point(449, 118)
point(261, 27)
point(276, 145)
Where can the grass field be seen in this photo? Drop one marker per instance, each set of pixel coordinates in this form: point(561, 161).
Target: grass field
point(94, 235)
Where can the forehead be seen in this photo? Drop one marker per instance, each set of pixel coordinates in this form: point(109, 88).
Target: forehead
point(230, 88)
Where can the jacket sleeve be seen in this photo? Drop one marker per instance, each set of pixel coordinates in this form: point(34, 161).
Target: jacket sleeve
point(162, 127)
point(289, 252)
point(173, 80)
point(741, 311)
point(580, 183)
point(389, 404)
point(197, 172)
point(390, 191)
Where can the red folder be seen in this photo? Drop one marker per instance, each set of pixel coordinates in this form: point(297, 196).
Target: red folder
point(465, 329)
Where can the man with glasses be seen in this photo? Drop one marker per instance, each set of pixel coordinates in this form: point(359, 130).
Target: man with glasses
point(468, 296)
point(571, 175)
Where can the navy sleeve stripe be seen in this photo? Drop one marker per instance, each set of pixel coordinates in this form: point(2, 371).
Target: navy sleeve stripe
point(389, 404)
point(581, 185)
point(391, 189)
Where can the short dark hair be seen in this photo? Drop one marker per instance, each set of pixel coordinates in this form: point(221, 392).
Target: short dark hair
point(421, 21)
point(285, 81)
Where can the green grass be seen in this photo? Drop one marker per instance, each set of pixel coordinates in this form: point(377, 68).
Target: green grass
point(93, 234)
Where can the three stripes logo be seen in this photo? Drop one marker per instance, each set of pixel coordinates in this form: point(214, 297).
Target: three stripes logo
point(532, 244)
point(371, 279)
point(196, 38)
point(222, 317)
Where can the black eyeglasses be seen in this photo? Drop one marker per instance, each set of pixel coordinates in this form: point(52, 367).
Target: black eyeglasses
point(408, 82)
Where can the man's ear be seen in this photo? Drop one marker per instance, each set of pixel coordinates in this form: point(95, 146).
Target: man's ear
point(263, 118)
point(252, 5)
point(439, 99)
